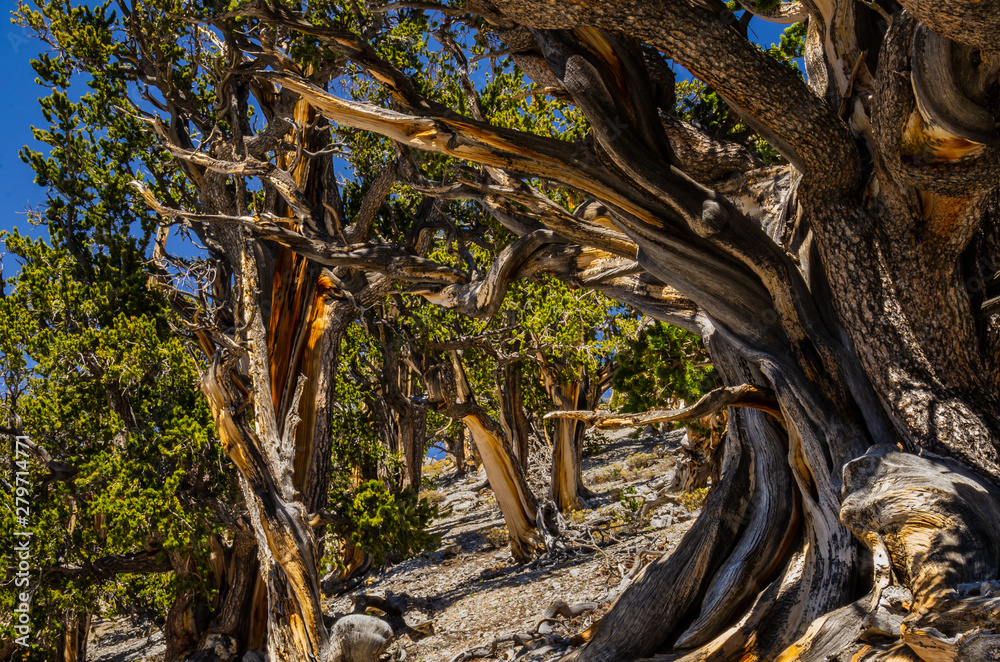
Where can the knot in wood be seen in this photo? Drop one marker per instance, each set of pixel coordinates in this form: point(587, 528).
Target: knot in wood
point(714, 218)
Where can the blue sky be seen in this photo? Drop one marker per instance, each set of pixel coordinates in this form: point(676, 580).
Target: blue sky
point(18, 111)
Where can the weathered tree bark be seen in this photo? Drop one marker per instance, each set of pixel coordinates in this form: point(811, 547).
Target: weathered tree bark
point(566, 487)
point(845, 372)
point(355, 562)
point(571, 389)
point(239, 615)
point(448, 389)
point(71, 646)
point(699, 461)
point(512, 415)
point(182, 627)
point(285, 539)
point(290, 315)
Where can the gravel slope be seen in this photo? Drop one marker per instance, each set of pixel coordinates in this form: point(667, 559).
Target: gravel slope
point(469, 593)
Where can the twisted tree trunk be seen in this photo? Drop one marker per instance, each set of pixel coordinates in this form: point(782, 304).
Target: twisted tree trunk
point(570, 389)
point(512, 415)
point(855, 280)
point(448, 389)
point(290, 315)
point(455, 444)
point(566, 486)
point(854, 292)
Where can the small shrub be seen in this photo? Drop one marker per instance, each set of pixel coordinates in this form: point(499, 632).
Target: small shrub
point(496, 536)
point(694, 499)
point(639, 461)
point(591, 447)
point(611, 516)
point(631, 500)
point(433, 497)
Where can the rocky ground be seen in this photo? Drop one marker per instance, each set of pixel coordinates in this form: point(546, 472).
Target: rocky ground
point(469, 599)
point(125, 640)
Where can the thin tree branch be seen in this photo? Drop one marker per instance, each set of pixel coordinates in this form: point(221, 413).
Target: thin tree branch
point(390, 260)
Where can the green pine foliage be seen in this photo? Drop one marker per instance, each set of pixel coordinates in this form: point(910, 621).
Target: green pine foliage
point(388, 523)
point(101, 381)
point(91, 362)
point(664, 366)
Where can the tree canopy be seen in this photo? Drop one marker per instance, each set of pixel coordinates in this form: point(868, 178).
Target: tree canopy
point(349, 225)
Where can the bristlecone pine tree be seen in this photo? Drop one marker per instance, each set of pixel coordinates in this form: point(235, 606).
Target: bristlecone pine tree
point(845, 291)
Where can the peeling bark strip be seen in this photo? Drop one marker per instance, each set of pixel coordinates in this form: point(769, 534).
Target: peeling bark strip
point(746, 395)
point(295, 629)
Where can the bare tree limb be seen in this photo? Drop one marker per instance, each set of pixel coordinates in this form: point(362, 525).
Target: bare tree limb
point(746, 395)
point(376, 195)
point(391, 260)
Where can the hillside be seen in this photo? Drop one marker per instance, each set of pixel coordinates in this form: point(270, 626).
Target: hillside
point(468, 599)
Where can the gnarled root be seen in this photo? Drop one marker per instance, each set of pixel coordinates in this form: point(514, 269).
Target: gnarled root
point(932, 527)
point(560, 608)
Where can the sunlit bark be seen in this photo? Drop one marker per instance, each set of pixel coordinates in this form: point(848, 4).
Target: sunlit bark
point(449, 390)
point(71, 646)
